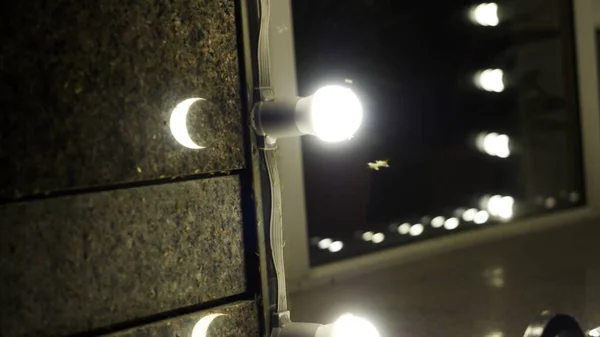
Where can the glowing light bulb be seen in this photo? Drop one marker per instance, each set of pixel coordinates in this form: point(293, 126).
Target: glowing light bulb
point(594, 332)
point(490, 80)
point(325, 243)
point(335, 113)
point(505, 210)
point(404, 228)
point(469, 215)
point(378, 238)
point(336, 246)
point(451, 223)
point(367, 236)
point(349, 325)
point(416, 229)
point(485, 14)
point(481, 217)
point(437, 222)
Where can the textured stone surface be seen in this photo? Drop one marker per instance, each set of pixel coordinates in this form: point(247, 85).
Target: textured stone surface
point(87, 87)
point(77, 263)
point(239, 320)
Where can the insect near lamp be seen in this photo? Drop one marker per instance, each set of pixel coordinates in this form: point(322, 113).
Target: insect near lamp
point(347, 325)
point(333, 114)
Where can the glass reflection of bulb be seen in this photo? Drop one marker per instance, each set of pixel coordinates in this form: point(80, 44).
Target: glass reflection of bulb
point(336, 246)
point(404, 228)
point(378, 238)
point(349, 325)
point(486, 14)
point(367, 236)
point(416, 229)
point(437, 222)
point(494, 144)
point(325, 243)
point(451, 223)
point(481, 217)
point(490, 80)
point(469, 215)
point(335, 113)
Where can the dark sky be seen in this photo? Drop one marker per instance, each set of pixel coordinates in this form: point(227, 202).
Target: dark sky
point(412, 64)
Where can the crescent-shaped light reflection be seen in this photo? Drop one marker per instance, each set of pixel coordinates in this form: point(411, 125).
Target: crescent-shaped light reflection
point(201, 328)
point(178, 123)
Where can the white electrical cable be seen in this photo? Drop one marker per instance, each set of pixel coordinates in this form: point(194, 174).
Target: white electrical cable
point(266, 93)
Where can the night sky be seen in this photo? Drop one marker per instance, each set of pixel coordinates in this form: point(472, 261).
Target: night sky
point(413, 65)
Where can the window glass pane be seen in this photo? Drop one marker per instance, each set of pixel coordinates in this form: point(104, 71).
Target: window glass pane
point(470, 118)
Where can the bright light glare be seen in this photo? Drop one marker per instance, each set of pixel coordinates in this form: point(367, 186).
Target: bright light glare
point(490, 80)
point(336, 246)
point(486, 14)
point(336, 113)
point(325, 243)
point(416, 229)
point(481, 217)
point(494, 144)
point(201, 327)
point(469, 215)
point(404, 228)
point(349, 325)
point(367, 236)
point(378, 238)
point(178, 123)
point(499, 206)
point(594, 332)
point(451, 223)
point(437, 222)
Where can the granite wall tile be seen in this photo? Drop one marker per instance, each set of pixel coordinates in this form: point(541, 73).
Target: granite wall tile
point(87, 89)
point(82, 262)
point(239, 319)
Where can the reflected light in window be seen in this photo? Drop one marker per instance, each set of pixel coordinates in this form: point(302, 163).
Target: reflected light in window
point(550, 202)
point(336, 246)
point(437, 222)
point(574, 197)
point(469, 215)
point(491, 80)
point(325, 243)
point(416, 229)
point(367, 236)
point(378, 238)
point(451, 223)
point(499, 206)
point(485, 14)
point(494, 144)
point(404, 228)
point(201, 327)
point(481, 217)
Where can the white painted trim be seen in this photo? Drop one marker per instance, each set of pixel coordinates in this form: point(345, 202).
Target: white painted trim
point(298, 271)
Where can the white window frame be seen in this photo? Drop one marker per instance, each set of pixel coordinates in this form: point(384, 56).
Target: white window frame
point(300, 275)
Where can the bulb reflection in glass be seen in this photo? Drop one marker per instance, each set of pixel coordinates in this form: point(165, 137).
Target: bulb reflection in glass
point(485, 14)
point(451, 223)
point(336, 246)
point(481, 217)
point(335, 113)
point(404, 228)
point(378, 238)
point(494, 144)
point(367, 236)
point(416, 229)
point(491, 80)
point(499, 206)
point(469, 215)
point(325, 243)
point(437, 222)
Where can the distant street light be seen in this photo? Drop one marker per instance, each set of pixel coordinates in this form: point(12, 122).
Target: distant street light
point(333, 114)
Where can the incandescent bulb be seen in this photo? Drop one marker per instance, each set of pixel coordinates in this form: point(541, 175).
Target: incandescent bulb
point(348, 325)
point(335, 113)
